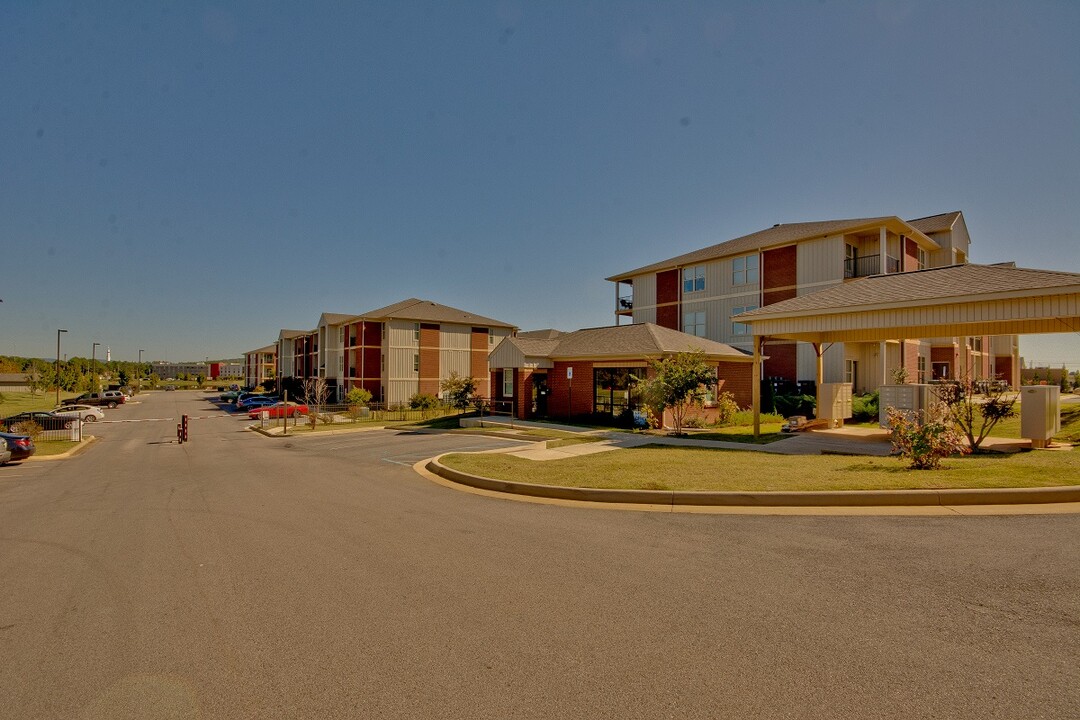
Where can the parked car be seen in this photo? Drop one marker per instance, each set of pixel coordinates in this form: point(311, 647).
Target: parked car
point(257, 401)
point(20, 446)
point(109, 398)
point(46, 420)
point(170, 387)
point(229, 396)
point(86, 413)
point(5, 456)
point(279, 409)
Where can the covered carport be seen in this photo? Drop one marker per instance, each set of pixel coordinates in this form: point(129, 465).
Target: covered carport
point(958, 300)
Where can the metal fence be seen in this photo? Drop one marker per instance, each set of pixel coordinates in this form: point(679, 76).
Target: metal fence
point(72, 430)
point(337, 414)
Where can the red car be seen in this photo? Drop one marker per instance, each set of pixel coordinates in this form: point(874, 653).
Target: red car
point(278, 410)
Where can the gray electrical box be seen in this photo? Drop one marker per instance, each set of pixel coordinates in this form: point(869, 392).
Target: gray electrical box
point(1040, 413)
point(911, 398)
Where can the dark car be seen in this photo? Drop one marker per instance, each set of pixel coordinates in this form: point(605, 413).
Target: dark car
point(46, 420)
point(20, 446)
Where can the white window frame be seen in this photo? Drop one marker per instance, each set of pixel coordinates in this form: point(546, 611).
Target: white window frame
point(693, 322)
point(508, 382)
point(745, 272)
point(341, 335)
point(416, 362)
point(693, 279)
point(416, 332)
point(920, 364)
point(851, 371)
point(491, 336)
point(739, 328)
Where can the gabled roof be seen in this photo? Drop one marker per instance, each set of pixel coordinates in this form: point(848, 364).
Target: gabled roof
point(14, 377)
point(777, 235)
point(548, 334)
point(334, 318)
point(922, 287)
point(428, 311)
point(267, 349)
point(290, 334)
point(637, 341)
point(936, 223)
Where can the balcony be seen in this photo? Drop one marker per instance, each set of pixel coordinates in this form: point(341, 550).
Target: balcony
point(869, 265)
point(625, 306)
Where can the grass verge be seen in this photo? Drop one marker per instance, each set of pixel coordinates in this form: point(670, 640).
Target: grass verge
point(15, 403)
point(666, 468)
point(46, 448)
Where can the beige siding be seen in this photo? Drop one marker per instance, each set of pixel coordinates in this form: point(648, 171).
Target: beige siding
point(454, 344)
point(645, 298)
point(820, 263)
point(401, 347)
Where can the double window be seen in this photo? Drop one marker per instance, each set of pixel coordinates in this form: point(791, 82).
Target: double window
point(694, 323)
point(744, 270)
point(738, 328)
point(693, 279)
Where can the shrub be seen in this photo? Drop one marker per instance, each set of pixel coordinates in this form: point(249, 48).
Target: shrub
point(745, 418)
point(726, 408)
point(357, 396)
point(27, 427)
point(694, 422)
point(927, 437)
point(788, 405)
point(864, 407)
point(423, 401)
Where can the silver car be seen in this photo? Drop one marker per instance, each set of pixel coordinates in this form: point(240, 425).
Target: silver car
point(86, 413)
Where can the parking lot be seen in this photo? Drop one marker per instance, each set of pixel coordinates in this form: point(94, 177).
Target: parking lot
point(239, 576)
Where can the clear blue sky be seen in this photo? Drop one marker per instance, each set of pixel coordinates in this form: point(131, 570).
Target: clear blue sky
point(189, 178)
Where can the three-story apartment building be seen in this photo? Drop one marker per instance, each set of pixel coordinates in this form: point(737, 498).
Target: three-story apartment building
point(702, 292)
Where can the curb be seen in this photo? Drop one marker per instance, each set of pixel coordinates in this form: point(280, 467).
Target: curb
point(828, 498)
point(87, 442)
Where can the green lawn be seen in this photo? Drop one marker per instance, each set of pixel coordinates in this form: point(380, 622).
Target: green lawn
point(54, 447)
point(15, 403)
point(665, 468)
point(770, 432)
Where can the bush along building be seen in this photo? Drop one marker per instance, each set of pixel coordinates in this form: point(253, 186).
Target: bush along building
point(702, 292)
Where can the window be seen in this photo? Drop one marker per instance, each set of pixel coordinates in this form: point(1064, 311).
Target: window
point(921, 365)
point(738, 328)
point(694, 323)
point(923, 258)
point(382, 363)
point(744, 270)
point(976, 343)
point(615, 389)
point(340, 363)
point(508, 382)
point(341, 335)
point(416, 332)
point(416, 362)
point(851, 372)
point(693, 279)
point(491, 336)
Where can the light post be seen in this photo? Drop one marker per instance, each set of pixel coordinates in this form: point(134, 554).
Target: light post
point(93, 364)
point(58, 365)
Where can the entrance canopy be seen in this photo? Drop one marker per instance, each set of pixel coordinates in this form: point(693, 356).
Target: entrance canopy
point(958, 300)
point(941, 302)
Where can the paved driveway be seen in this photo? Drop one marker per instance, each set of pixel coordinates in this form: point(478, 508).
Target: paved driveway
point(240, 576)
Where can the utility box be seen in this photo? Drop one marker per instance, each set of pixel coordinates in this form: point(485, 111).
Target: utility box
point(910, 398)
point(1040, 413)
point(834, 403)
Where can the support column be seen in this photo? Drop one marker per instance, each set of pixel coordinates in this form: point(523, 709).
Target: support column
point(883, 251)
point(755, 386)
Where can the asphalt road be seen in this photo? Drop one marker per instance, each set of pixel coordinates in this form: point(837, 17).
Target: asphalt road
point(238, 576)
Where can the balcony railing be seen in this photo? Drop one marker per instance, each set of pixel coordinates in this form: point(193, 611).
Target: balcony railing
point(869, 265)
point(626, 304)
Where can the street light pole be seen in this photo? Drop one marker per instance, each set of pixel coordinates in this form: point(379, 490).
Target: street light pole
point(58, 365)
point(93, 364)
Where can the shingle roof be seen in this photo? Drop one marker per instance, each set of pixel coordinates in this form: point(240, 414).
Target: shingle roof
point(428, 311)
point(336, 318)
point(13, 377)
point(267, 349)
point(935, 223)
point(541, 334)
point(290, 334)
point(921, 287)
point(638, 340)
point(776, 235)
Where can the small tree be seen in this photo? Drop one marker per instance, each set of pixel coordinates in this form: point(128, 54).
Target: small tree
point(315, 393)
point(678, 383)
point(424, 402)
point(925, 438)
point(200, 381)
point(357, 399)
point(974, 414)
point(36, 381)
point(458, 390)
point(900, 376)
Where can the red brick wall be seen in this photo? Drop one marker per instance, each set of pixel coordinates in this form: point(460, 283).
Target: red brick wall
point(778, 276)
point(737, 379)
point(783, 361)
point(667, 299)
point(429, 358)
point(523, 389)
point(560, 397)
point(909, 351)
point(911, 255)
point(1003, 366)
point(478, 361)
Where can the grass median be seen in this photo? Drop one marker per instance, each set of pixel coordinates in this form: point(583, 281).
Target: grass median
point(665, 468)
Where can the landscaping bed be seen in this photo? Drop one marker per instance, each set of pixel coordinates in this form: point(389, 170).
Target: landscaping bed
point(665, 468)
